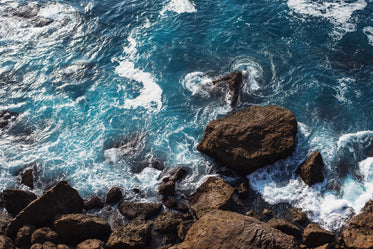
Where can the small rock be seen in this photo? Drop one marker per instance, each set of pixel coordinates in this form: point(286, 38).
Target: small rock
point(177, 173)
point(268, 213)
point(6, 243)
point(23, 237)
point(114, 195)
point(298, 216)
point(167, 222)
point(314, 236)
point(170, 202)
point(311, 171)
point(91, 244)
point(44, 234)
point(182, 207)
point(183, 228)
point(4, 221)
point(285, 227)
point(37, 246)
point(27, 178)
point(167, 188)
point(242, 190)
point(254, 214)
point(234, 80)
point(132, 210)
point(94, 203)
point(49, 245)
point(15, 200)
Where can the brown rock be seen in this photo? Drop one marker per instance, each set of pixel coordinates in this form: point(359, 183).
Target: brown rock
point(314, 236)
point(167, 188)
point(212, 194)
point(37, 246)
point(44, 234)
point(91, 244)
point(59, 199)
point(325, 246)
point(368, 207)
point(94, 203)
point(135, 234)
point(63, 246)
point(132, 210)
point(49, 245)
point(251, 138)
point(114, 195)
point(268, 213)
point(4, 221)
point(15, 200)
point(167, 222)
point(226, 230)
point(27, 178)
point(177, 173)
point(311, 171)
point(183, 228)
point(23, 237)
point(75, 228)
point(298, 216)
point(233, 81)
point(254, 214)
point(6, 243)
point(182, 207)
point(285, 227)
point(170, 202)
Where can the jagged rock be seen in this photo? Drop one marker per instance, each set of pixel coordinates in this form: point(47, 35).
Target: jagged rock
point(167, 222)
point(226, 230)
point(49, 245)
point(15, 200)
point(44, 234)
point(27, 178)
point(251, 138)
point(298, 216)
point(37, 246)
point(135, 234)
point(167, 188)
point(314, 236)
point(268, 213)
point(93, 203)
point(177, 173)
point(91, 244)
point(170, 202)
point(182, 207)
point(311, 171)
point(6, 243)
point(75, 228)
point(285, 227)
point(132, 210)
point(7, 116)
point(234, 80)
point(254, 214)
point(183, 228)
point(23, 236)
point(60, 199)
point(212, 194)
point(4, 221)
point(114, 195)
point(368, 207)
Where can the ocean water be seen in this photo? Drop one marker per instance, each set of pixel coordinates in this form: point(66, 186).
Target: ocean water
point(110, 87)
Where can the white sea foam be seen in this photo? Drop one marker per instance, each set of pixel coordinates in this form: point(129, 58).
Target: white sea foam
point(368, 31)
point(179, 6)
point(251, 70)
point(198, 83)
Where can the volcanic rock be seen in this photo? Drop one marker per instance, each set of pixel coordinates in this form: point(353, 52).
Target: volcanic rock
point(6, 243)
point(233, 81)
point(114, 195)
point(212, 194)
point(314, 236)
point(285, 227)
point(311, 171)
point(27, 178)
point(251, 138)
point(44, 234)
point(15, 200)
point(132, 210)
point(94, 203)
point(167, 222)
point(23, 237)
point(91, 244)
point(226, 230)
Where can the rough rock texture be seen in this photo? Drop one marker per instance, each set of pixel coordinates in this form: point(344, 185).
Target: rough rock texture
point(93, 203)
point(44, 234)
point(298, 216)
point(27, 178)
point(4, 221)
point(134, 235)
point(91, 244)
point(75, 228)
point(233, 81)
point(183, 228)
point(226, 230)
point(311, 171)
point(285, 227)
point(167, 222)
point(60, 199)
point(170, 202)
point(24, 235)
point(132, 210)
point(6, 243)
point(114, 195)
point(167, 188)
point(37, 246)
point(314, 236)
point(251, 138)
point(63, 246)
point(49, 245)
point(212, 194)
point(15, 200)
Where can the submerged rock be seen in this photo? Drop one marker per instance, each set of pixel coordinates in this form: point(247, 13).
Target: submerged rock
point(31, 13)
point(311, 171)
point(15, 200)
point(146, 210)
point(251, 138)
point(233, 81)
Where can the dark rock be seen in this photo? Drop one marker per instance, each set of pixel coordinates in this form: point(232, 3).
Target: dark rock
point(234, 80)
point(132, 210)
point(183, 228)
point(26, 12)
point(75, 228)
point(23, 237)
point(6, 243)
point(368, 207)
point(177, 173)
point(39, 21)
point(94, 203)
point(37, 246)
point(170, 202)
point(114, 195)
point(91, 244)
point(251, 138)
point(242, 190)
point(63, 246)
point(224, 229)
point(15, 200)
point(254, 214)
point(182, 207)
point(27, 178)
point(314, 236)
point(212, 194)
point(298, 216)
point(135, 234)
point(6, 117)
point(167, 222)
point(268, 213)
point(167, 188)
point(311, 171)
point(49, 245)
point(4, 221)
point(44, 234)
point(60, 199)
point(285, 227)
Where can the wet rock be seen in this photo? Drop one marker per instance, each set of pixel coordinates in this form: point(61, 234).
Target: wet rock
point(75, 228)
point(26, 12)
point(114, 195)
point(368, 207)
point(23, 236)
point(170, 202)
point(254, 214)
point(268, 213)
point(63, 246)
point(251, 138)
point(298, 216)
point(167, 188)
point(285, 227)
point(60, 199)
point(132, 210)
point(167, 222)
point(177, 173)
point(6, 243)
point(4, 221)
point(27, 178)
point(15, 200)
point(91, 244)
point(212, 194)
point(93, 203)
point(44, 234)
point(311, 171)
point(225, 229)
point(314, 236)
point(135, 234)
point(41, 21)
point(183, 228)
point(49, 245)
point(6, 117)
point(233, 81)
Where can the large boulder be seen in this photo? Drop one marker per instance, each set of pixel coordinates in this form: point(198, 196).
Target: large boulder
point(44, 234)
point(60, 199)
point(93, 203)
point(132, 210)
point(226, 230)
point(213, 194)
point(314, 236)
point(167, 222)
point(15, 200)
point(251, 138)
point(311, 171)
point(75, 228)
point(6, 243)
point(233, 81)
point(114, 195)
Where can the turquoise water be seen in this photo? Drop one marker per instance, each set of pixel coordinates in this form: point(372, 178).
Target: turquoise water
point(111, 86)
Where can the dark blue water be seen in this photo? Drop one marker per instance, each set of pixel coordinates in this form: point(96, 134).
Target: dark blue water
point(110, 87)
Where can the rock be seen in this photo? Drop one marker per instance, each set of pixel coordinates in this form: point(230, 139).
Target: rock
point(6, 117)
point(183, 228)
point(325, 246)
point(311, 171)
point(167, 188)
point(135, 234)
point(167, 222)
point(114, 195)
point(15, 200)
point(268, 213)
point(242, 190)
point(182, 207)
point(251, 138)
point(39, 21)
point(170, 202)
point(60, 199)
point(49, 245)
point(75, 228)
point(6, 243)
point(94, 203)
point(4, 221)
point(36, 246)
point(298, 216)
point(285, 227)
point(91, 244)
point(44, 234)
point(23, 237)
point(27, 178)
point(177, 173)
point(368, 207)
point(226, 230)
point(314, 236)
point(132, 210)
point(212, 194)
point(63, 246)
point(234, 81)
point(254, 214)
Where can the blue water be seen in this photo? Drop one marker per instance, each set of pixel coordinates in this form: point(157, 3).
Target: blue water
point(111, 86)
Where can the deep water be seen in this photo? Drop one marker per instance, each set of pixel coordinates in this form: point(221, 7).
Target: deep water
point(111, 87)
